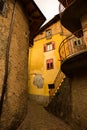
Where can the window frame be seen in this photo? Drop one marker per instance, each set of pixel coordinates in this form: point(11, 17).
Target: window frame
point(77, 42)
point(49, 34)
point(49, 64)
point(49, 46)
point(51, 86)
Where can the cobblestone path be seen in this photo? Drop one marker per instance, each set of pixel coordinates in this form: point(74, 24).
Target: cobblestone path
point(39, 119)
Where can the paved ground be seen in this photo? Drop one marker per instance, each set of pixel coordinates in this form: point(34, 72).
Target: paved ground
point(39, 119)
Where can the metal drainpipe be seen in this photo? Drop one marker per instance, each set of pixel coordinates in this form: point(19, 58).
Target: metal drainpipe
point(4, 86)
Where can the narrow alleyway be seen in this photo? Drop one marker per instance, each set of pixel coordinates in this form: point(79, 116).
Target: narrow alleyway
point(39, 119)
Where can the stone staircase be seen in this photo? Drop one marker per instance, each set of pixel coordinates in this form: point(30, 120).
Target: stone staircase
point(57, 83)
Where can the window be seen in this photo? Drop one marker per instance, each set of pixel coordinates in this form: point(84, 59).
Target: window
point(2, 2)
point(51, 86)
point(49, 46)
point(49, 64)
point(77, 42)
point(49, 34)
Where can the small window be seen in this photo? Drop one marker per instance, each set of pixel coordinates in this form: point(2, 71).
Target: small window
point(49, 64)
point(77, 42)
point(2, 2)
point(49, 34)
point(51, 86)
point(49, 46)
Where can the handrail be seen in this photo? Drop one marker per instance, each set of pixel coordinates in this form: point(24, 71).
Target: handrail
point(66, 43)
point(59, 78)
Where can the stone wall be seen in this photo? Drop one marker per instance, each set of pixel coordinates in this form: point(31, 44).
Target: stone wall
point(42, 100)
point(60, 104)
point(14, 107)
point(70, 101)
point(79, 100)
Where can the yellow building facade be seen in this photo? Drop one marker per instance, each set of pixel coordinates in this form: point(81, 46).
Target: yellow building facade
point(44, 61)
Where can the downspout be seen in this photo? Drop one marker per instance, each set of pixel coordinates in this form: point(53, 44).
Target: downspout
point(4, 86)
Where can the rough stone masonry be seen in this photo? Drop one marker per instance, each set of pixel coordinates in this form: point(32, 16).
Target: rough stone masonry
point(15, 96)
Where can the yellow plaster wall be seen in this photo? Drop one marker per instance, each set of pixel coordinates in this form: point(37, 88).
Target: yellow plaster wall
point(37, 60)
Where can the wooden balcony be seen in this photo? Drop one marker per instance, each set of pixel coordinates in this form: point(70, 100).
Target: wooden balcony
point(73, 53)
point(71, 16)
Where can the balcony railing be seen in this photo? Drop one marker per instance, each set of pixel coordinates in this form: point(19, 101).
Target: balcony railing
point(66, 3)
point(73, 45)
point(63, 5)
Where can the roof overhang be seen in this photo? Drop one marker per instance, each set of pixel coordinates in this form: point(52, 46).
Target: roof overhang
point(72, 14)
point(35, 17)
point(55, 19)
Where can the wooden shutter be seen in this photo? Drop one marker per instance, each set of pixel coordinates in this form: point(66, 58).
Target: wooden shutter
point(53, 45)
point(44, 47)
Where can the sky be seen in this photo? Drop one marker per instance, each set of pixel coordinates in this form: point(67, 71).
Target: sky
point(49, 8)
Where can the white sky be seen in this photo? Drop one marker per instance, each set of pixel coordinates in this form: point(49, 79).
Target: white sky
point(48, 7)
